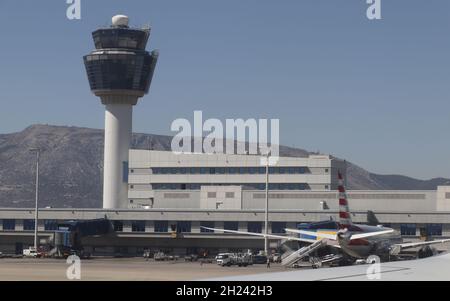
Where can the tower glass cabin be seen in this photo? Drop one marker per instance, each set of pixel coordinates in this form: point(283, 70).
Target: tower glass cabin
point(119, 71)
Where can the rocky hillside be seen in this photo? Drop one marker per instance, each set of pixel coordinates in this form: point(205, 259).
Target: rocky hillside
point(72, 167)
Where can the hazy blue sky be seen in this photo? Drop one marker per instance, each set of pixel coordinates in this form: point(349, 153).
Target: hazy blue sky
point(373, 92)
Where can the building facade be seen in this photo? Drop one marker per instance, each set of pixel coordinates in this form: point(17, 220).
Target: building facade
point(178, 231)
point(171, 197)
point(161, 179)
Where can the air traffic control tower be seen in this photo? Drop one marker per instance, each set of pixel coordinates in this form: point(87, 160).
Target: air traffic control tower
point(120, 71)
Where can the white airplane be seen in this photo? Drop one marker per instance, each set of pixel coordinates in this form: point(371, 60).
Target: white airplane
point(356, 241)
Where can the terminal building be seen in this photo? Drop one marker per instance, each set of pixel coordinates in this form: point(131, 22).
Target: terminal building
point(162, 179)
point(171, 197)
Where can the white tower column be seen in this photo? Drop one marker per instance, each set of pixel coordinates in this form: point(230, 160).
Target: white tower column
point(118, 131)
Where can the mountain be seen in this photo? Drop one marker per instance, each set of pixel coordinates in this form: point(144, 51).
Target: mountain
point(72, 166)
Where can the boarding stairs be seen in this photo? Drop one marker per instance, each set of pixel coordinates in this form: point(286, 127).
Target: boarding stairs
point(301, 253)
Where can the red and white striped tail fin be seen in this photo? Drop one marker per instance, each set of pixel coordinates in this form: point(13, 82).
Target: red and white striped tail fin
point(344, 210)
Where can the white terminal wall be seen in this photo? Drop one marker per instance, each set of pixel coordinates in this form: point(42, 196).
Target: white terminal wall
point(443, 198)
point(378, 200)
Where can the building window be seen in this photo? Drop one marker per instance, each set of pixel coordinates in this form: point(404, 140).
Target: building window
point(246, 186)
point(291, 186)
point(434, 229)
point(229, 195)
point(28, 224)
point(183, 227)
point(9, 224)
point(50, 225)
point(138, 226)
point(212, 195)
point(279, 227)
point(118, 226)
point(233, 226)
point(255, 227)
point(194, 186)
point(207, 225)
point(274, 186)
point(408, 229)
point(261, 186)
point(161, 226)
point(229, 170)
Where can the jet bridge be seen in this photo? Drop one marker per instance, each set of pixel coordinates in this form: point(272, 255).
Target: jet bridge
point(68, 237)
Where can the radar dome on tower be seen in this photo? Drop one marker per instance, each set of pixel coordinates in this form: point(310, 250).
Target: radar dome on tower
point(120, 21)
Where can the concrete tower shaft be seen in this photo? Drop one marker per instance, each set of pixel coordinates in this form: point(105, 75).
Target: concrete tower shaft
point(118, 129)
point(119, 71)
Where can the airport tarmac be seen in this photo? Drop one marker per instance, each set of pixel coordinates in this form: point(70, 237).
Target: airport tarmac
point(117, 269)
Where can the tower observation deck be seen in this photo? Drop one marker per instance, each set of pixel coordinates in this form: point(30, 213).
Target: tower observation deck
point(119, 71)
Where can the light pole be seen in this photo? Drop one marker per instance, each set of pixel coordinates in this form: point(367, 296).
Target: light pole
point(38, 152)
point(266, 218)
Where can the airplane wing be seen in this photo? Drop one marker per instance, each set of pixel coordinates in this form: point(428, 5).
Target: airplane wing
point(313, 233)
point(421, 243)
point(334, 236)
point(370, 234)
point(427, 269)
point(263, 235)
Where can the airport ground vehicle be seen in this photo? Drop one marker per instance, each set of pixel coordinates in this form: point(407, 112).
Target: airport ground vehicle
point(147, 254)
point(243, 259)
point(229, 259)
point(276, 258)
point(31, 252)
point(160, 256)
point(224, 259)
point(259, 259)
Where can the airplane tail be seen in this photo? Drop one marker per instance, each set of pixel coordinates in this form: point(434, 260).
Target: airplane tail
point(372, 220)
point(344, 210)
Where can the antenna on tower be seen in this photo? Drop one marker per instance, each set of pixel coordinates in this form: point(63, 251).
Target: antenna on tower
point(146, 26)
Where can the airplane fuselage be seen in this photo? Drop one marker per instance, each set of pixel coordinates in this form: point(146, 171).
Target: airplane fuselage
point(357, 248)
